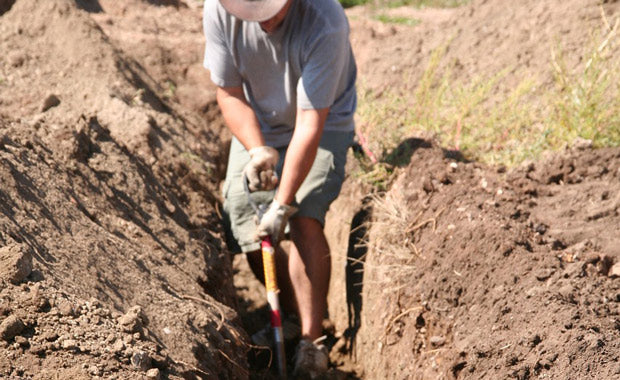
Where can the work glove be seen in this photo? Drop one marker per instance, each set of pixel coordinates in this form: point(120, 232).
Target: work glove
point(274, 221)
point(260, 171)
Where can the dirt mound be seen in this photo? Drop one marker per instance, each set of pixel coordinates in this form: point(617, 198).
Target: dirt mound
point(476, 273)
point(482, 38)
point(109, 189)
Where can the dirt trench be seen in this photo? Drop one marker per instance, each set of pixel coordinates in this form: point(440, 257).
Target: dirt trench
point(112, 263)
point(477, 272)
point(459, 271)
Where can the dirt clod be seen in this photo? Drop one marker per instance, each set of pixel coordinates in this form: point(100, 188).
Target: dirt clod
point(614, 271)
point(141, 360)
point(153, 374)
point(544, 273)
point(70, 344)
point(437, 341)
point(15, 263)
point(10, 327)
point(66, 308)
point(132, 321)
point(50, 101)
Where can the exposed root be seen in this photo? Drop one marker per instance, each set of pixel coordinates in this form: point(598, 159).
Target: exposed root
point(396, 318)
point(215, 306)
point(243, 370)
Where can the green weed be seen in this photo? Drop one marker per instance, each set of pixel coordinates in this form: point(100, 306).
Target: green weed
point(387, 19)
point(400, 3)
point(171, 89)
point(425, 3)
point(352, 3)
point(494, 126)
point(586, 102)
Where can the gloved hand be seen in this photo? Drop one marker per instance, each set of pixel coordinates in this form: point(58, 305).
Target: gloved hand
point(274, 221)
point(260, 171)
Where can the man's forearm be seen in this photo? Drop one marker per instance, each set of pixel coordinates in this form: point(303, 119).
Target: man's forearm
point(239, 116)
point(301, 152)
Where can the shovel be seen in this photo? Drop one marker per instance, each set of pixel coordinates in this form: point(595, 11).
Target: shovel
point(271, 284)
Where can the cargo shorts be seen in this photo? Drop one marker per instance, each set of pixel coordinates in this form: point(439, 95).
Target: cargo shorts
point(319, 189)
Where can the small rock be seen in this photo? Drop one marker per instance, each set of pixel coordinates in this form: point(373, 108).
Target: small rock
point(153, 374)
point(118, 346)
point(94, 370)
point(141, 360)
point(10, 327)
point(23, 342)
point(49, 102)
point(581, 144)
point(49, 336)
point(69, 344)
point(66, 308)
point(15, 263)
point(132, 321)
point(437, 341)
point(128, 339)
point(37, 349)
point(541, 228)
point(543, 274)
point(614, 271)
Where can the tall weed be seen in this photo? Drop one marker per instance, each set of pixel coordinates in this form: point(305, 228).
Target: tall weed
point(500, 127)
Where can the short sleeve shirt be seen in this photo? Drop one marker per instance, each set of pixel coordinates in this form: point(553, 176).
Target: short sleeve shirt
point(306, 63)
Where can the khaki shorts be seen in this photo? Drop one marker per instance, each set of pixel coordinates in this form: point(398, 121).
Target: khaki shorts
point(317, 192)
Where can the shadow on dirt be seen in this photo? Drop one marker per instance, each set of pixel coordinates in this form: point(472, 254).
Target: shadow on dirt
point(91, 6)
point(401, 155)
point(354, 271)
point(5, 6)
point(357, 247)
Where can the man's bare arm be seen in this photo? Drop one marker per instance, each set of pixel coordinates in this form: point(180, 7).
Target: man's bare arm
point(301, 152)
point(239, 116)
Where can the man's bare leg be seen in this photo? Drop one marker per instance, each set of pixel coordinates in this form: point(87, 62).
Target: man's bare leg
point(310, 269)
point(309, 266)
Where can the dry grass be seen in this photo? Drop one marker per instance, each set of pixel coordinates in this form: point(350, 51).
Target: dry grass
point(506, 129)
point(495, 127)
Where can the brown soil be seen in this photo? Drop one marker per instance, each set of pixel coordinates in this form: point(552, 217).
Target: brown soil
point(482, 38)
point(110, 189)
point(111, 153)
point(495, 275)
point(457, 280)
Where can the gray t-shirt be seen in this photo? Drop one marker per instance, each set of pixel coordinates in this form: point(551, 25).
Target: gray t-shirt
point(306, 63)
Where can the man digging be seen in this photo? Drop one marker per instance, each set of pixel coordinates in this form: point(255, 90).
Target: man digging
point(286, 88)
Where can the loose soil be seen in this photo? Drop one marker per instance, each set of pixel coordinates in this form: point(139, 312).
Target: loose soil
point(108, 189)
point(112, 263)
point(493, 274)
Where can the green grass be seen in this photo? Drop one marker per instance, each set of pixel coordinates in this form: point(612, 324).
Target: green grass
point(493, 126)
point(396, 19)
point(400, 3)
point(425, 3)
point(352, 3)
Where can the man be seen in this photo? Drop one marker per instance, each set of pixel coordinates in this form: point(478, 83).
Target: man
point(286, 88)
